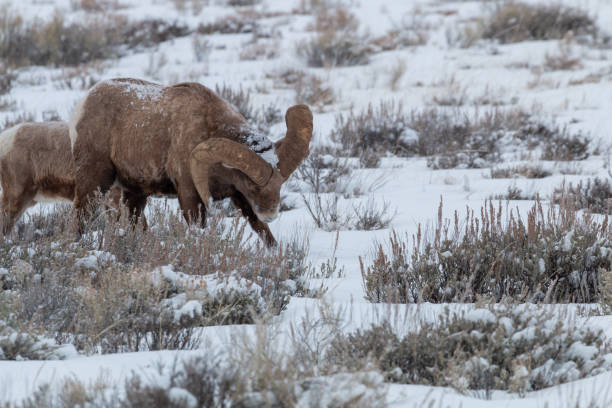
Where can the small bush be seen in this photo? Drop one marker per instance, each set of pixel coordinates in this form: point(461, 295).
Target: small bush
point(336, 42)
point(6, 80)
point(201, 48)
point(240, 100)
point(516, 21)
point(259, 50)
point(262, 119)
point(595, 195)
point(512, 348)
point(311, 90)
point(232, 24)
point(147, 33)
point(370, 216)
point(376, 130)
point(23, 345)
point(514, 193)
point(524, 170)
point(552, 257)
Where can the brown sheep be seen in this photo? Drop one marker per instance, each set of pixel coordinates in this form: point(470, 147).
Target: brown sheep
point(36, 165)
point(184, 140)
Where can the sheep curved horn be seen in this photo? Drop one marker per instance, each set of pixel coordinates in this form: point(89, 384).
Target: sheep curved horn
point(294, 147)
point(232, 154)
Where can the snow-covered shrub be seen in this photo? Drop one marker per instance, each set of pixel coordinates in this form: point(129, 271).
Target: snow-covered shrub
point(451, 140)
point(242, 3)
point(232, 24)
point(511, 348)
point(555, 142)
point(336, 41)
point(515, 21)
point(595, 195)
point(513, 192)
point(150, 32)
point(22, 345)
point(523, 170)
point(555, 256)
point(204, 382)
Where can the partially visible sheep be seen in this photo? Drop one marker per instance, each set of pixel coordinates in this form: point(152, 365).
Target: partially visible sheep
point(36, 165)
point(182, 140)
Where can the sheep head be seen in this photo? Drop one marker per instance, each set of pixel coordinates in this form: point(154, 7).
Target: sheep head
point(262, 182)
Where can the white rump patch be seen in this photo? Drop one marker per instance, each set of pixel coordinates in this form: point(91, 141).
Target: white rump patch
point(75, 117)
point(7, 139)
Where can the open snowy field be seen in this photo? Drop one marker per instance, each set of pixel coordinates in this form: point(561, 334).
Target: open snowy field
point(436, 248)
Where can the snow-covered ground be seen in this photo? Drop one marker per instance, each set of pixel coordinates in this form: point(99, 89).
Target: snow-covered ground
point(513, 75)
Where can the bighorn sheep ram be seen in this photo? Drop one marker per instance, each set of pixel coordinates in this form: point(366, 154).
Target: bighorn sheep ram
point(36, 165)
point(184, 140)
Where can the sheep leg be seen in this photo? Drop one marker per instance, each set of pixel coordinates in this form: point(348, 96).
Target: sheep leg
point(100, 176)
point(192, 207)
point(136, 203)
point(12, 209)
point(260, 227)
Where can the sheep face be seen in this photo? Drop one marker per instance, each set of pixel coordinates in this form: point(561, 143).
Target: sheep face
point(264, 200)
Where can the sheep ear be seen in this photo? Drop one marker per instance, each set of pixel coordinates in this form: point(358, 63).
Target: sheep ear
point(294, 147)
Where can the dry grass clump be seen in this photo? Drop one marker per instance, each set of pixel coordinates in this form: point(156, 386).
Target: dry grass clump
point(522, 170)
point(336, 41)
point(555, 256)
point(595, 195)
point(126, 289)
point(512, 348)
point(58, 42)
point(514, 21)
point(259, 51)
point(263, 118)
point(312, 90)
